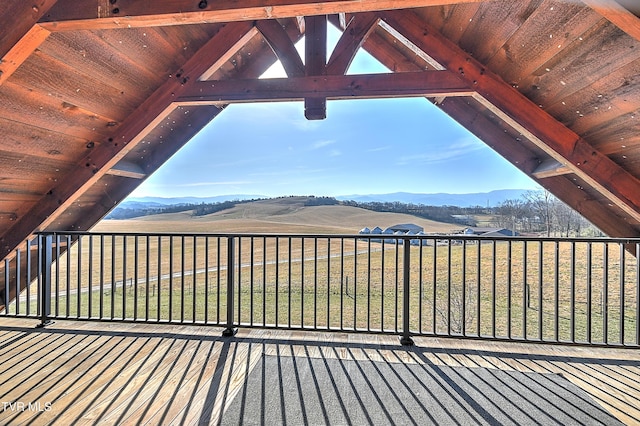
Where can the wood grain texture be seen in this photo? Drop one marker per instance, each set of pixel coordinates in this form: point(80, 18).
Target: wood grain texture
point(154, 374)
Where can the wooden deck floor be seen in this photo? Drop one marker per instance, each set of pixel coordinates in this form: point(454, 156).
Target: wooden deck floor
point(87, 373)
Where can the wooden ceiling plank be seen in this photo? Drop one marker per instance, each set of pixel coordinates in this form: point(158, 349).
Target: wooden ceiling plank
point(282, 46)
point(350, 42)
point(558, 141)
point(535, 42)
point(451, 20)
point(315, 42)
point(597, 54)
point(21, 105)
point(410, 84)
point(617, 15)
point(496, 22)
point(601, 104)
point(104, 156)
point(71, 15)
point(21, 51)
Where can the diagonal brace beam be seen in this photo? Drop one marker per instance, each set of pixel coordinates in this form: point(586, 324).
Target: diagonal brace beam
point(558, 141)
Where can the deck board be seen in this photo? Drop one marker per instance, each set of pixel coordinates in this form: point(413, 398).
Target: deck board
point(83, 372)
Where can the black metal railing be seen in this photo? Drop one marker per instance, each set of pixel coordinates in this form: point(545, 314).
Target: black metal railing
point(526, 289)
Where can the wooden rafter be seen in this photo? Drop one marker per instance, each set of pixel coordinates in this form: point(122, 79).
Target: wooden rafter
point(282, 46)
point(547, 133)
point(351, 40)
point(20, 35)
point(18, 17)
point(100, 14)
point(505, 142)
point(104, 156)
point(617, 15)
point(410, 84)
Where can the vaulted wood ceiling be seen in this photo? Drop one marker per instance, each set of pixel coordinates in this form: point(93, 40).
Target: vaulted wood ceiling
point(96, 94)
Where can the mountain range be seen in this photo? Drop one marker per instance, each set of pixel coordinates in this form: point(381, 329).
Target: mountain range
point(490, 199)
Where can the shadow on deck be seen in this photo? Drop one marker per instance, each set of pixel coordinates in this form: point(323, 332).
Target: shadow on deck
point(89, 373)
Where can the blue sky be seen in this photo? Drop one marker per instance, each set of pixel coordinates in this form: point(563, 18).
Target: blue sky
point(363, 147)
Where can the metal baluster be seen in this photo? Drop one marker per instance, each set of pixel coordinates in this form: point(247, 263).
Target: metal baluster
point(90, 280)
point(289, 261)
point(369, 284)
point(45, 244)
point(406, 339)
point(230, 330)
point(251, 278)
point(525, 289)
point(572, 290)
point(124, 276)
point(605, 296)
point(622, 298)
point(195, 277)
point(540, 292)
point(589, 291)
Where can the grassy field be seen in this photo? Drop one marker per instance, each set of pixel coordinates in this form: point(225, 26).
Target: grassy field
point(506, 289)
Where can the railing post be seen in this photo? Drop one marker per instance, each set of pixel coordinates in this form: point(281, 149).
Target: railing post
point(45, 245)
point(406, 339)
point(230, 330)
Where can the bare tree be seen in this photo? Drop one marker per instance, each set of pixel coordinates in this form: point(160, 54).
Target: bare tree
point(541, 203)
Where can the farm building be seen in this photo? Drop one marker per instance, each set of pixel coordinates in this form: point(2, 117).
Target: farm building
point(487, 232)
point(95, 95)
point(406, 228)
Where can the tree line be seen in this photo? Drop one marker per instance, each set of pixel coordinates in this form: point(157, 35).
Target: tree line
point(541, 212)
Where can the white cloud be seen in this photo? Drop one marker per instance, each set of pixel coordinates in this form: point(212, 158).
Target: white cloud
point(198, 184)
point(378, 149)
point(323, 143)
point(441, 154)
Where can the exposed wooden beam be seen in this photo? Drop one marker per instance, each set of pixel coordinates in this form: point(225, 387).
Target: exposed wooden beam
point(505, 141)
point(350, 42)
point(20, 35)
point(558, 141)
point(617, 15)
point(282, 46)
point(410, 84)
point(315, 43)
point(101, 14)
point(105, 155)
point(127, 169)
point(550, 168)
point(18, 17)
point(21, 51)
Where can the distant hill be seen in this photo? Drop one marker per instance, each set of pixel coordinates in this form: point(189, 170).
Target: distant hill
point(484, 199)
point(285, 215)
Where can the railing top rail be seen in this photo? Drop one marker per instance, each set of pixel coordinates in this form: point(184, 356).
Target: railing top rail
point(400, 237)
